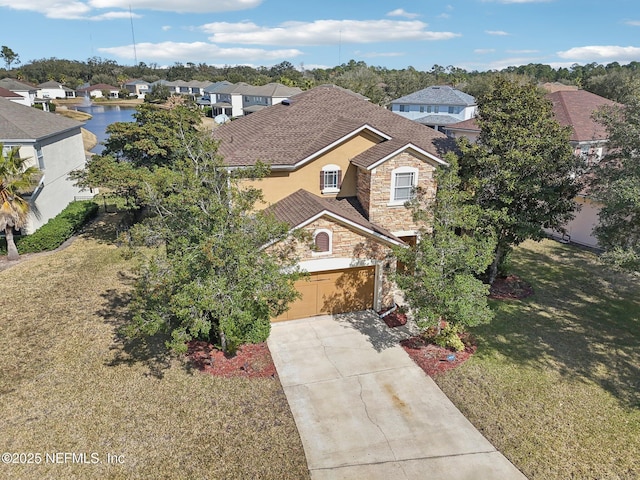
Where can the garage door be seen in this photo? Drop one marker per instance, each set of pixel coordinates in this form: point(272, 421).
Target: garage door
point(335, 291)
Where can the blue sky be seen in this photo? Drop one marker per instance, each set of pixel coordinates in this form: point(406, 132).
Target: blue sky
point(470, 34)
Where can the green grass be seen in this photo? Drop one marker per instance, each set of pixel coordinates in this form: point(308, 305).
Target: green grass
point(555, 384)
point(68, 383)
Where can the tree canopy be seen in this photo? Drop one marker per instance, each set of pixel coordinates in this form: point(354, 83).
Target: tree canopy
point(522, 169)
point(439, 276)
point(204, 270)
point(616, 185)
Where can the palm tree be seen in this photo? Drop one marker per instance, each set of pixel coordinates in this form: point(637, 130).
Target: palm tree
point(14, 179)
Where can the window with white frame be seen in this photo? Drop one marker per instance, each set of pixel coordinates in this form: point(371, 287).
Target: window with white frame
point(403, 183)
point(40, 157)
point(322, 241)
point(330, 179)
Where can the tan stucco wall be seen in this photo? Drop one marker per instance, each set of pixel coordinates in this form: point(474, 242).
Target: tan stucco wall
point(282, 184)
point(580, 229)
point(396, 218)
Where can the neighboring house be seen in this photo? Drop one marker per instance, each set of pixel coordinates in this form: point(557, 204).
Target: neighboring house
point(100, 90)
point(573, 108)
point(52, 143)
point(193, 88)
point(14, 97)
point(53, 89)
point(436, 106)
point(137, 88)
point(342, 169)
point(239, 99)
point(29, 92)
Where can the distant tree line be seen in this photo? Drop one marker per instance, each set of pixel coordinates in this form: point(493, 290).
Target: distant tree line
point(379, 84)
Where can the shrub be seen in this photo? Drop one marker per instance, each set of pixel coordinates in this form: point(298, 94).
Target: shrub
point(57, 230)
point(449, 336)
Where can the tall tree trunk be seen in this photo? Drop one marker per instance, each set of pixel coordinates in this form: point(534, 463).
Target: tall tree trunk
point(12, 250)
point(493, 268)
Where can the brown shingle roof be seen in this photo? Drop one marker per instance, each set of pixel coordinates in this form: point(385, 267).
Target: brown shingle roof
point(301, 206)
point(572, 108)
point(286, 134)
point(575, 108)
point(8, 93)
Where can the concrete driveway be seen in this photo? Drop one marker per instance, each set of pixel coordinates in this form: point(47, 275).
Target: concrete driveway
point(364, 409)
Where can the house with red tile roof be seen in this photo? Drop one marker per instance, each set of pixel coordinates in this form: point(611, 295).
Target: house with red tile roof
point(573, 108)
point(342, 169)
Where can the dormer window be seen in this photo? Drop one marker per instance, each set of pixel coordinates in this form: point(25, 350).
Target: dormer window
point(403, 183)
point(330, 179)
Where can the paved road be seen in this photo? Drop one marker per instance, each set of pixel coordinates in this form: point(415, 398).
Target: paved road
point(365, 410)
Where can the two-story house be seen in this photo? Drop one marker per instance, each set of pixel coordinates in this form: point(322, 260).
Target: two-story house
point(239, 99)
point(573, 108)
point(436, 106)
point(53, 144)
point(26, 91)
point(342, 169)
point(137, 88)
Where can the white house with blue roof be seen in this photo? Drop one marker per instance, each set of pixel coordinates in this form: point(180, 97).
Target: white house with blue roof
point(436, 106)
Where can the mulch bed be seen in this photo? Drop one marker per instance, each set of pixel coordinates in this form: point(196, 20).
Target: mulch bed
point(250, 361)
point(394, 319)
point(434, 359)
point(510, 287)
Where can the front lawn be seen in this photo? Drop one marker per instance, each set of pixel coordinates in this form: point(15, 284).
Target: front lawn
point(555, 383)
point(69, 385)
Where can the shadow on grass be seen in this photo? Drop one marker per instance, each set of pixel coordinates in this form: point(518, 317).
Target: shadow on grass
point(107, 226)
point(583, 321)
point(150, 351)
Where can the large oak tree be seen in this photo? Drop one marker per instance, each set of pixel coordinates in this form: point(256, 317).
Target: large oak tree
point(522, 170)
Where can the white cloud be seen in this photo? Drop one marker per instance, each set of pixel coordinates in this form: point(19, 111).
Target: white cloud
point(483, 51)
point(115, 16)
point(633, 23)
point(499, 33)
point(399, 12)
point(444, 15)
point(600, 53)
point(193, 6)
point(166, 28)
point(323, 32)
point(85, 10)
point(198, 52)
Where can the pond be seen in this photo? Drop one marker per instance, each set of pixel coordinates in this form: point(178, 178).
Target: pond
point(101, 117)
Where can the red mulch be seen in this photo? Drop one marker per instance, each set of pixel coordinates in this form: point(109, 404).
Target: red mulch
point(250, 361)
point(510, 287)
point(433, 359)
point(395, 319)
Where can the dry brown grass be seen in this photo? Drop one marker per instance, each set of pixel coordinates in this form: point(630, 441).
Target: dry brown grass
point(555, 383)
point(70, 384)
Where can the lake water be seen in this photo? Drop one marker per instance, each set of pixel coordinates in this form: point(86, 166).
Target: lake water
point(101, 117)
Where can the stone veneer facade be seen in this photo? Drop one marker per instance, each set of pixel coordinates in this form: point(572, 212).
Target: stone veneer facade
point(347, 243)
point(377, 184)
